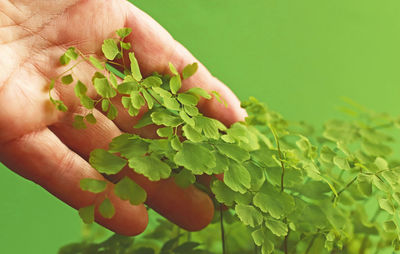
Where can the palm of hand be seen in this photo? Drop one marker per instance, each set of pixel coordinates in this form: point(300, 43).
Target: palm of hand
point(39, 142)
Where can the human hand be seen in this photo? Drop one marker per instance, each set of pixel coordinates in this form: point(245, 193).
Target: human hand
point(39, 143)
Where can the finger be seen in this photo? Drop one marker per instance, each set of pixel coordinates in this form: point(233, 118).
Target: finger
point(189, 208)
point(154, 47)
point(43, 159)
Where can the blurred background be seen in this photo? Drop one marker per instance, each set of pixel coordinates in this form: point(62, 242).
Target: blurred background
point(299, 57)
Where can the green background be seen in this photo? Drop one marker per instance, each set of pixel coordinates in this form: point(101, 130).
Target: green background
point(299, 57)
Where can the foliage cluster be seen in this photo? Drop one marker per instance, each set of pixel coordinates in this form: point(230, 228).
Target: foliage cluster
point(289, 189)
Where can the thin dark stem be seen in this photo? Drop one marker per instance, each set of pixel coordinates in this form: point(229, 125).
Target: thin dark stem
point(280, 157)
point(346, 187)
point(285, 242)
point(222, 230)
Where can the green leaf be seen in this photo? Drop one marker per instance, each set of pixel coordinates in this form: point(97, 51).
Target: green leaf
point(189, 70)
point(80, 89)
point(87, 214)
point(112, 112)
point(64, 60)
point(233, 151)
point(223, 193)
point(67, 79)
point(162, 92)
point(149, 99)
point(106, 162)
point(151, 82)
point(187, 248)
point(78, 122)
point(173, 69)
point(188, 99)
point(90, 118)
point(105, 104)
point(71, 53)
point(107, 209)
point(256, 174)
point(128, 87)
point(113, 80)
point(364, 184)
point(237, 177)
point(341, 163)
point(137, 75)
point(110, 49)
point(145, 120)
point(199, 92)
point(87, 102)
point(123, 32)
point(176, 143)
point(165, 132)
point(375, 149)
point(258, 236)
point(221, 164)
point(93, 185)
point(175, 84)
point(126, 189)
point(171, 103)
point(219, 98)
point(184, 178)
point(195, 157)
point(103, 88)
point(386, 205)
point(125, 45)
point(137, 100)
point(389, 225)
point(191, 110)
point(272, 201)
point(96, 63)
point(150, 166)
point(129, 146)
point(187, 119)
point(249, 215)
point(210, 127)
point(165, 118)
point(192, 134)
point(277, 227)
point(61, 106)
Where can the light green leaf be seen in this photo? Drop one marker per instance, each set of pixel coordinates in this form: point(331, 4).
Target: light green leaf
point(249, 215)
point(129, 146)
point(189, 70)
point(375, 149)
point(96, 63)
point(166, 118)
point(341, 162)
point(78, 122)
point(128, 87)
point(165, 132)
point(386, 205)
point(151, 81)
point(389, 225)
point(191, 110)
point(258, 237)
point(105, 104)
point(364, 184)
point(187, 119)
point(256, 174)
point(87, 214)
point(208, 126)
point(162, 92)
point(192, 134)
point(137, 75)
point(171, 103)
point(123, 32)
point(184, 178)
point(176, 143)
point(113, 80)
point(103, 88)
point(87, 102)
point(277, 227)
point(188, 99)
point(107, 209)
point(173, 69)
point(126, 189)
point(223, 193)
point(199, 92)
point(125, 45)
point(219, 98)
point(106, 162)
point(272, 201)
point(150, 166)
point(93, 185)
point(80, 89)
point(110, 49)
point(237, 177)
point(67, 79)
point(112, 112)
point(221, 164)
point(233, 151)
point(175, 84)
point(195, 157)
point(90, 118)
point(137, 100)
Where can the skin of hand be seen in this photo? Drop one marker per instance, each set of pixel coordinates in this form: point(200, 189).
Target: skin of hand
point(39, 143)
